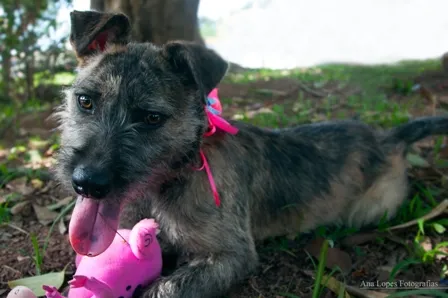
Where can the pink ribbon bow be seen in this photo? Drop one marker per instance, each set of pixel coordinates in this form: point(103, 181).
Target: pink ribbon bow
point(213, 110)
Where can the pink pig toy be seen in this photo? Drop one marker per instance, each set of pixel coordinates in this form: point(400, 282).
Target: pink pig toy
point(132, 261)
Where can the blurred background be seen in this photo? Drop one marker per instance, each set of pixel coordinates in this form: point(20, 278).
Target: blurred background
point(292, 62)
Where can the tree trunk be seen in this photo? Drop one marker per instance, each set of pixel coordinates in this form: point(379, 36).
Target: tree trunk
point(6, 73)
point(97, 5)
point(159, 21)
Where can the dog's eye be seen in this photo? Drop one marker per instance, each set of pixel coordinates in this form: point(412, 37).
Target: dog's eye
point(153, 119)
point(85, 102)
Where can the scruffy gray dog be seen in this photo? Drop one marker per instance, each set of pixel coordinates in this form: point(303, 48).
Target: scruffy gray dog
point(132, 126)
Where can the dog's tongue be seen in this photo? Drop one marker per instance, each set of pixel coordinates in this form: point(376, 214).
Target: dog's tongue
point(93, 226)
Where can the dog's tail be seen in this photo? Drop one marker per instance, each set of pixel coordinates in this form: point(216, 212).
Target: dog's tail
point(417, 129)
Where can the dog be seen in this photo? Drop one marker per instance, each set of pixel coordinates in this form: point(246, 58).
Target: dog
point(132, 129)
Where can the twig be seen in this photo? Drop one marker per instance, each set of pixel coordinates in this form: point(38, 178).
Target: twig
point(440, 209)
point(12, 269)
point(251, 282)
point(17, 228)
point(311, 91)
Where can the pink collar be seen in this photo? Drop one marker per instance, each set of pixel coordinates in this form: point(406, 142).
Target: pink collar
point(213, 110)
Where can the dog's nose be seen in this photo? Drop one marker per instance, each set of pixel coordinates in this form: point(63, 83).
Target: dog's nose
point(90, 183)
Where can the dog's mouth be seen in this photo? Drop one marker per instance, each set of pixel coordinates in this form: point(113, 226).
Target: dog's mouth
point(93, 225)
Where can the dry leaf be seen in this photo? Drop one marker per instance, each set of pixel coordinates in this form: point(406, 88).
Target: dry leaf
point(20, 186)
point(19, 207)
point(271, 92)
point(359, 273)
point(334, 285)
point(47, 187)
point(34, 156)
point(37, 184)
point(417, 161)
point(426, 244)
point(37, 144)
point(44, 215)
point(62, 228)
point(358, 239)
point(351, 290)
point(335, 256)
point(22, 258)
point(443, 254)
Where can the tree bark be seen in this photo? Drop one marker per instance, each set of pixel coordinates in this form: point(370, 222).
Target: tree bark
point(97, 5)
point(6, 73)
point(159, 21)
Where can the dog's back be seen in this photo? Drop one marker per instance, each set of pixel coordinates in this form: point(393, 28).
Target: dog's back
point(337, 172)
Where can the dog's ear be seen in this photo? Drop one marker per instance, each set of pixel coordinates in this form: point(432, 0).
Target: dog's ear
point(91, 31)
point(201, 66)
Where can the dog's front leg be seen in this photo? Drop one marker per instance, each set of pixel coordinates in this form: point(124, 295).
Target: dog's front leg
point(205, 277)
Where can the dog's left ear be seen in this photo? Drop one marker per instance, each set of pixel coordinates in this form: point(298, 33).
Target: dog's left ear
point(91, 31)
point(200, 66)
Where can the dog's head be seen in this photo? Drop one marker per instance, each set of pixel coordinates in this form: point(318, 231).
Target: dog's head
point(133, 110)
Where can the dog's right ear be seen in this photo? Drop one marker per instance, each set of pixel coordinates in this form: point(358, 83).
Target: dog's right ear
point(92, 31)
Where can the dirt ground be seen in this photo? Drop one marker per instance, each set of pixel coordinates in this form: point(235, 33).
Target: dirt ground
point(286, 268)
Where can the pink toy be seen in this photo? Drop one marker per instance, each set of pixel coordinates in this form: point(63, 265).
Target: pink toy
point(118, 271)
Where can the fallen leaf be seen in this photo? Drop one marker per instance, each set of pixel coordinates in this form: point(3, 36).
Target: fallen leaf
point(440, 209)
point(359, 273)
point(335, 286)
point(47, 187)
point(37, 184)
point(20, 186)
point(62, 228)
point(34, 156)
point(37, 144)
point(19, 207)
point(358, 239)
point(417, 161)
point(442, 249)
point(35, 283)
point(44, 215)
point(351, 290)
point(318, 117)
point(61, 203)
point(426, 244)
point(271, 92)
point(264, 110)
point(22, 258)
point(335, 256)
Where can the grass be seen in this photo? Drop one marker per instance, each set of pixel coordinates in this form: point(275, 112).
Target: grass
point(374, 102)
point(61, 78)
point(320, 270)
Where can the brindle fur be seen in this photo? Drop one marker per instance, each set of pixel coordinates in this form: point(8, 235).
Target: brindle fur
point(271, 183)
